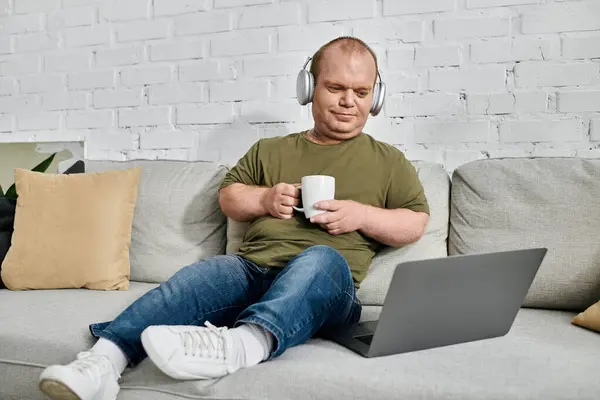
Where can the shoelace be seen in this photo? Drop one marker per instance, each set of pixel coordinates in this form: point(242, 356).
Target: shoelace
point(88, 363)
point(206, 342)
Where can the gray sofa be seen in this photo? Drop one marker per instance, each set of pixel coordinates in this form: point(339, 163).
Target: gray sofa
point(489, 205)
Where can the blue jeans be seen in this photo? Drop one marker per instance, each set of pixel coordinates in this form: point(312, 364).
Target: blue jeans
point(314, 293)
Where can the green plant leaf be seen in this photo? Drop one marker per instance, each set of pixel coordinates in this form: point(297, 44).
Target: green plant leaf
point(43, 166)
point(11, 193)
point(1, 191)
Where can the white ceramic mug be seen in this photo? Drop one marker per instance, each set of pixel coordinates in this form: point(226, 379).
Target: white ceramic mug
point(315, 188)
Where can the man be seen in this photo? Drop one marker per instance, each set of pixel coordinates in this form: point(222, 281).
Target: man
point(293, 278)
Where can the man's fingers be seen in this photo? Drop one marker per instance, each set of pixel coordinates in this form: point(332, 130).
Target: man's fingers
point(326, 218)
point(289, 201)
point(291, 191)
point(296, 190)
point(320, 219)
point(284, 210)
point(332, 226)
point(328, 205)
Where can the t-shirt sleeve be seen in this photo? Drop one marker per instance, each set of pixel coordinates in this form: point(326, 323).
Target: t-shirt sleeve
point(247, 171)
point(405, 189)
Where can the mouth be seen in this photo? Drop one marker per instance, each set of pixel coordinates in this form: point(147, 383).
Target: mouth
point(342, 116)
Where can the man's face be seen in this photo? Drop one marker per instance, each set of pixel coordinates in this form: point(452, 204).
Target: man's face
point(343, 93)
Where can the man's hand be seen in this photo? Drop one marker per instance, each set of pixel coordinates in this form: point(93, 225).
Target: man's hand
point(279, 199)
point(342, 216)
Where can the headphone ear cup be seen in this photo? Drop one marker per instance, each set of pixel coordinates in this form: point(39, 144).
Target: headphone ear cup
point(304, 87)
point(376, 90)
point(378, 98)
point(311, 87)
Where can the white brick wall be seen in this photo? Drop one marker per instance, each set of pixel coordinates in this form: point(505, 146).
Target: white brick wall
point(8, 86)
point(203, 79)
point(178, 93)
point(581, 47)
point(151, 116)
point(117, 98)
point(557, 74)
point(462, 28)
point(274, 15)
point(572, 16)
point(174, 7)
point(335, 10)
point(90, 119)
point(163, 139)
point(476, 80)
point(64, 101)
point(438, 56)
point(541, 131)
point(206, 22)
point(396, 7)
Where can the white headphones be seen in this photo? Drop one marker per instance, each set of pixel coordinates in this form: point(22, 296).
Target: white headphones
point(305, 89)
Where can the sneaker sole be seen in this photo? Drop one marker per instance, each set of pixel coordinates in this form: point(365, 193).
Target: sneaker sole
point(57, 391)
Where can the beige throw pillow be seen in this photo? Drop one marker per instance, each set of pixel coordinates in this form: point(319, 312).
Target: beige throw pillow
point(72, 231)
point(590, 318)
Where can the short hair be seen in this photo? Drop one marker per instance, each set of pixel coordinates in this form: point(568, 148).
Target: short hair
point(348, 44)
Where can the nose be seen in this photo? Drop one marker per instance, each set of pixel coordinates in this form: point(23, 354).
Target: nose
point(347, 99)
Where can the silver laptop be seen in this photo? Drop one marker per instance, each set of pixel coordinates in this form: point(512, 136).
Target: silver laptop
point(445, 301)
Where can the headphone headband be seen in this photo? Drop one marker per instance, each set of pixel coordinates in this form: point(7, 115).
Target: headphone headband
point(306, 63)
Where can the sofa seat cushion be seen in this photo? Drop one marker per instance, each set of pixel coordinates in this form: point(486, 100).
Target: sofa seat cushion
point(44, 327)
point(544, 356)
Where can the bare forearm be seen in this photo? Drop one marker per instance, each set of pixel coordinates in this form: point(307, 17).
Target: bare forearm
point(394, 228)
point(242, 202)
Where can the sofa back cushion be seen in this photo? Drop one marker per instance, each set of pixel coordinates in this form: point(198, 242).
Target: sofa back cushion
point(177, 219)
point(508, 204)
point(433, 244)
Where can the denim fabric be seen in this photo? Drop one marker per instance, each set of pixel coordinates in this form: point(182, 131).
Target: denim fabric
point(313, 293)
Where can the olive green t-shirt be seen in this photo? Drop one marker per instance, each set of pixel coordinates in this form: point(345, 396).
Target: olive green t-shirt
point(365, 170)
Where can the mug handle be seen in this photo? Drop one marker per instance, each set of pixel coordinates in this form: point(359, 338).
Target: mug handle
point(301, 209)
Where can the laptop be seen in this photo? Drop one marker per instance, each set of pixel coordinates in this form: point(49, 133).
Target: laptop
point(446, 301)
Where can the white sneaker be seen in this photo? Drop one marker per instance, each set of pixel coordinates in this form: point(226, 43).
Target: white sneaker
point(89, 377)
point(193, 352)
